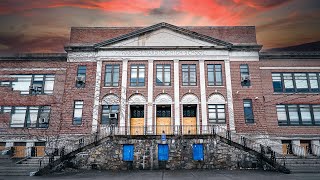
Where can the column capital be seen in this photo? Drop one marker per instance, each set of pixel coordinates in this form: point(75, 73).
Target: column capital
point(176, 60)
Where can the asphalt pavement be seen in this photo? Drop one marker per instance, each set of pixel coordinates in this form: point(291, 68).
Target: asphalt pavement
point(170, 175)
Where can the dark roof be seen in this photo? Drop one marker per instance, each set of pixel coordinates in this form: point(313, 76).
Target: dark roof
point(229, 34)
point(312, 46)
point(290, 55)
point(34, 56)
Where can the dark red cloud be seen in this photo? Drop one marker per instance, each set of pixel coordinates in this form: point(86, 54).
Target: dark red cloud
point(20, 43)
point(262, 4)
point(128, 6)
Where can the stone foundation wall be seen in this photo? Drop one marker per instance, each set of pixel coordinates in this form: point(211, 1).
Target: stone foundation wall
point(217, 155)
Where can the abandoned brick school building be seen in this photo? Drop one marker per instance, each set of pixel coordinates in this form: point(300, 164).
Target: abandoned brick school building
point(160, 80)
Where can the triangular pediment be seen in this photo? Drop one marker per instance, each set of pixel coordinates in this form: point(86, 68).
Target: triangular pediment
point(162, 35)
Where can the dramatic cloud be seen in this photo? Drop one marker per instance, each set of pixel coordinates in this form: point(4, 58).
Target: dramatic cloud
point(44, 25)
point(129, 6)
point(262, 4)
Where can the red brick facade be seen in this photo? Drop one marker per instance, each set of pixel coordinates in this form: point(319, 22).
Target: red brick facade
point(261, 92)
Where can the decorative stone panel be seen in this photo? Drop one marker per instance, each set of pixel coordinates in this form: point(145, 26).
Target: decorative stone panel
point(163, 99)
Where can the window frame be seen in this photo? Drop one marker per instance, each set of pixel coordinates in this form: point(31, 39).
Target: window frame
point(113, 83)
point(214, 71)
point(32, 77)
point(163, 70)
point(78, 85)
point(288, 121)
point(248, 120)
point(74, 109)
point(216, 119)
point(26, 115)
point(138, 72)
point(189, 83)
point(295, 89)
point(110, 111)
point(242, 74)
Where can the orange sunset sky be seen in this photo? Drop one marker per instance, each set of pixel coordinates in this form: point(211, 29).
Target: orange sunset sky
point(44, 25)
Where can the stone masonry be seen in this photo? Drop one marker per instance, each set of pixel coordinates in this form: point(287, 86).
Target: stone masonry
point(217, 155)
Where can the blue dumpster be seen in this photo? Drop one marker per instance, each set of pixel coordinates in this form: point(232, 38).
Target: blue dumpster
point(128, 150)
point(163, 152)
point(198, 152)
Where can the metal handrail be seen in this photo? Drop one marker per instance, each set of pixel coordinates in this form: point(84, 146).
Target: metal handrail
point(107, 131)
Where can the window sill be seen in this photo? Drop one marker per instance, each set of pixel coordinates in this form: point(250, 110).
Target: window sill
point(189, 86)
point(110, 87)
point(215, 86)
point(302, 126)
point(30, 128)
point(139, 87)
point(298, 93)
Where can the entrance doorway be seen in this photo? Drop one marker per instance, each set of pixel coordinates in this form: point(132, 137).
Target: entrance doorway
point(190, 119)
point(163, 119)
point(306, 144)
point(137, 119)
point(286, 147)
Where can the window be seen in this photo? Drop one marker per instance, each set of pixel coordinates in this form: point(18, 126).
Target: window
point(137, 75)
point(77, 112)
point(294, 114)
point(245, 76)
point(216, 114)
point(112, 75)
point(276, 81)
point(248, 113)
point(295, 82)
point(282, 114)
point(316, 114)
point(163, 75)
point(81, 76)
point(189, 77)
point(31, 84)
point(190, 110)
point(163, 111)
point(110, 114)
point(30, 116)
point(137, 111)
point(214, 75)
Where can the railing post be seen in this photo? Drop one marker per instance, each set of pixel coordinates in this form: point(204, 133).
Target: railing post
point(262, 149)
point(228, 136)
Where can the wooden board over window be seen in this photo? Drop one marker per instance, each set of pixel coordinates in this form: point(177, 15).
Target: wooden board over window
point(2, 145)
point(164, 124)
point(137, 126)
point(40, 149)
point(189, 125)
point(19, 149)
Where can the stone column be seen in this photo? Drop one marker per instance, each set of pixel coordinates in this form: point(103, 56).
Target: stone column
point(229, 95)
point(150, 97)
point(123, 100)
point(176, 86)
point(203, 96)
point(95, 112)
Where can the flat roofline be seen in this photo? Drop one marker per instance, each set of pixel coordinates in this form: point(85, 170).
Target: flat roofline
point(290, 55)
point(33, 56)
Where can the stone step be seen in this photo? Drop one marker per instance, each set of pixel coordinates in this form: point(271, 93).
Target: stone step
point(303, 165)
point(16, 168)
point(20, 173)
point(304, 169)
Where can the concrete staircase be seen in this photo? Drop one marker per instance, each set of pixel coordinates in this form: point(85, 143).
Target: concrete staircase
point(310, 164)
point(25, 167)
